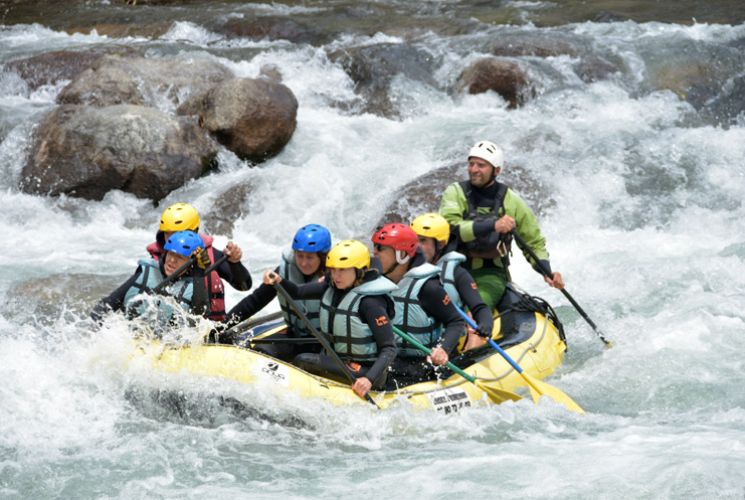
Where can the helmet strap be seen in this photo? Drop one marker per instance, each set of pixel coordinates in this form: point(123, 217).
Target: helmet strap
point(402, 257)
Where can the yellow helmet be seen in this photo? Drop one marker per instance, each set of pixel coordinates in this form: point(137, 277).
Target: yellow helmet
point(348, 253)
point(432, 226)
point(179, 217)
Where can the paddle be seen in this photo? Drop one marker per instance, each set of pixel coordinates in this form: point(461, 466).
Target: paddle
point(496, 394)
point(227, 335)
point(215, 265)
point(174, 276)
point(325, 343)
point(537, 387)
point(544, 272)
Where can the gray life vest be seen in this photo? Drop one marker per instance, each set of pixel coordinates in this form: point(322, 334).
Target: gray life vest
point(447, 264)
point(350, 335)
point(310, 307)
point(158, 309)
point(410, 317)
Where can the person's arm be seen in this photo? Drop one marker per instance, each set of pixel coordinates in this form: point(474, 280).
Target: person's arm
point(312, 290)
point(373, 312)
point(469, 293)
point(251, 304)
point(436, 303)
point(453, 205)
point(115, 300)
point(526, 225)
point(235, 273)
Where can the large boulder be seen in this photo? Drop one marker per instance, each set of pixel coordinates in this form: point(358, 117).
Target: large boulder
point(503, 76)
point(143, 81)
point(86, 151)
point(273, 28)
point(58, 65)
point(254, 118)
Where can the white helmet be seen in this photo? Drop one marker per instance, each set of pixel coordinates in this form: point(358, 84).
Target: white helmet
point(488, 151)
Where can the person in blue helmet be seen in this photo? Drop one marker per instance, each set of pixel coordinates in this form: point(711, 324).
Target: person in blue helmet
point(135, 296)
point(303, 263)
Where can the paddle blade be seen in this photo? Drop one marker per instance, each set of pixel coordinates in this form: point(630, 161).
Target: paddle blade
point(539, 388)
point(496, 394)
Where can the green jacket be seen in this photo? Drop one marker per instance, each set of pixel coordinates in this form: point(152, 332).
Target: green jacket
point(454, 208)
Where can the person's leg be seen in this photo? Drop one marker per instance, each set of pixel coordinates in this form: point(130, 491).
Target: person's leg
point(492, 282)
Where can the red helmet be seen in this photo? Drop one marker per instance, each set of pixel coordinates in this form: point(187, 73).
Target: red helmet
point(397, 236)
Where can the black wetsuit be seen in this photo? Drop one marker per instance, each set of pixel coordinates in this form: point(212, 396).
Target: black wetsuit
point(372, 309)
point(255, 302)
point(436, 304)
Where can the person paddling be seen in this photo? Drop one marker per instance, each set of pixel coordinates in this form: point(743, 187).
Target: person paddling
point(303, 263)
point(184, 217)
point(486, 212)
point(135, 296)
point(434, 235)
point(356, 307)
point(423, 307)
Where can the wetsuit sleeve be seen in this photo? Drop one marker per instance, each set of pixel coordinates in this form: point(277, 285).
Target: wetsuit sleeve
point(251, 304)
point(453, 205)
point(526, 225)
point(373, 312)
point(469, 293)
point(115, 300)
point(313, 290)
point(436, 303)
point(235, 273)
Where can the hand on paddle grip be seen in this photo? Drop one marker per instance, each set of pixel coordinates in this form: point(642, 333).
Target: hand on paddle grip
point(202, 259)
point(271, 278)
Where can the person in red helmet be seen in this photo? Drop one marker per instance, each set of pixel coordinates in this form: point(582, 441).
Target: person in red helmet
point(184, 217)
point(423, 307)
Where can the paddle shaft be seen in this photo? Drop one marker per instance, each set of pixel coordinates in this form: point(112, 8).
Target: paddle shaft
point(174, 276)
point(215, 265)
point(547, 274)
point(496, 346)
point(325, 343)
point(411, 340)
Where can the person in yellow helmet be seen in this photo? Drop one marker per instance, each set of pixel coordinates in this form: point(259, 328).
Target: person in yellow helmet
point(438, 248)
point(356, 307)
point(184, 217)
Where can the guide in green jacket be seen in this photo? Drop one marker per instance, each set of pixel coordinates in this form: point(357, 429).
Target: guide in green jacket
point(485, 212)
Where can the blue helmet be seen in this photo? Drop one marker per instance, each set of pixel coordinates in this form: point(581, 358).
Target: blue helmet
point(312, 238)
point(184, 243)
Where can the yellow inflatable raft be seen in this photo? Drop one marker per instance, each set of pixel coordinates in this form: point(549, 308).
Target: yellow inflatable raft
point(528, 331)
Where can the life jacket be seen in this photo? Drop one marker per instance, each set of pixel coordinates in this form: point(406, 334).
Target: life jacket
point(410, 316)
point(447, 264)
point(350, 336)
point(310, 307)
point(486, 247)
point(213, 283)
point(157, 309)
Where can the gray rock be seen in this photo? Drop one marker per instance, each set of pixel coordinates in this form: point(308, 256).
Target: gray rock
point(254, 118)
point(116, 80)
point(85, 152)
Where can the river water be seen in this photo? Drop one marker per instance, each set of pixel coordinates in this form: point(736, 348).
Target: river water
point(646, 222)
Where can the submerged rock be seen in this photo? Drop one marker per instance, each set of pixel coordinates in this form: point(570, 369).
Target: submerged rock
point(373, 68)
point(143, 81)
point(502, 76)
point(85, 152)
point(273, 28)
point(58, 65)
